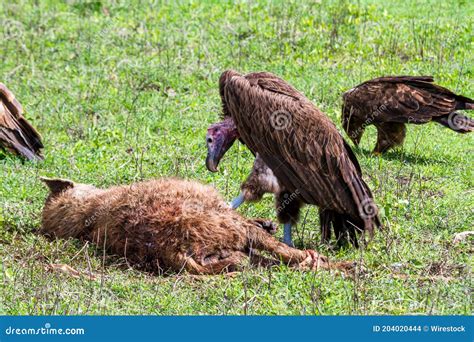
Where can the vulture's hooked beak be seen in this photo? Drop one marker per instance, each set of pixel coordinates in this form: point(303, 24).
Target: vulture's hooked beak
point(219, 139)
point(211, 160)
point(216, 148)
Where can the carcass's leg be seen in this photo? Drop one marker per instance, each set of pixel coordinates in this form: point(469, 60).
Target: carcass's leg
point(253, 188)
point(212, 264)
point(266, 225)
point(261, 240)
point(308, 259)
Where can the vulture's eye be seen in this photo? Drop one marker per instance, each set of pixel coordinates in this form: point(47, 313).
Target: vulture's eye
point(209, 140)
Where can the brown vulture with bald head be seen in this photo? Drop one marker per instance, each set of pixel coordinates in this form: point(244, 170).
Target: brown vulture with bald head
point(16, 134)
point(391, 102)
point(306, 155)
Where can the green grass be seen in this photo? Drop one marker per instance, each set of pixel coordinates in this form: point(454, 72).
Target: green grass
point(124, 92)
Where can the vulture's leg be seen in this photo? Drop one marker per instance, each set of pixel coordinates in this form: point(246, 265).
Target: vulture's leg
point(457, 122)
point(237, 202)
point(287, 234)
point(288, 209)
point(250, 190)
point(389, 134)
point(260, 181)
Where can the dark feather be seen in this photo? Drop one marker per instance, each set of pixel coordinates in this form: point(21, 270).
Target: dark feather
point(16, 133)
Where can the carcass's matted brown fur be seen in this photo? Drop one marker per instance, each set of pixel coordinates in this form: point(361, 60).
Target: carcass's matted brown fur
point(391, 102)
point(16, 134)
point(164, 225)
point(307, 155)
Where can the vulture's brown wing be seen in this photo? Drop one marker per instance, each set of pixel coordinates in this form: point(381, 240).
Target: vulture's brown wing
point(422, 83)
point(398, 79)
point(402, 99)
point(300, 144)
point(16, 134)
point(263, 79)
point(274, 84)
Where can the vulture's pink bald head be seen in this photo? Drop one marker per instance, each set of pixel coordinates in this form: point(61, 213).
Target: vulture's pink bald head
point(220, 137)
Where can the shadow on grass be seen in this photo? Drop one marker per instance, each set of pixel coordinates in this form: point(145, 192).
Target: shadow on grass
point(403, 156)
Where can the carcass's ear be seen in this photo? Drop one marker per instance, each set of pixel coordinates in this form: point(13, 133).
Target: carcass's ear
point(57, 185)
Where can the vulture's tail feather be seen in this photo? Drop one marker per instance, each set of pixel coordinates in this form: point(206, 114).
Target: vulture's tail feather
point(456, 122)
point(364, 218)
point(22, 141)
point(346, 228)
point(325, 220)
point(463, 102)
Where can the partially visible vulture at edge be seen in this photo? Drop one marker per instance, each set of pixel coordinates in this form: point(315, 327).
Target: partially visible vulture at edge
point(16, 134)
point(391, 102)
point(303, 149)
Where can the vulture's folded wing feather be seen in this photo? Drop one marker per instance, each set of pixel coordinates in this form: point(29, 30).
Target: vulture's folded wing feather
point(398, 79)
point(402, 99)
point(16, 133)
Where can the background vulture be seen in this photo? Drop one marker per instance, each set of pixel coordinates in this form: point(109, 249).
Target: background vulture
point(303, 149)
point(390, 102)
point(16, 134)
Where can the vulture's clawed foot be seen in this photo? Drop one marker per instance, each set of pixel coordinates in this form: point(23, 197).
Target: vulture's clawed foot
point(266, 225)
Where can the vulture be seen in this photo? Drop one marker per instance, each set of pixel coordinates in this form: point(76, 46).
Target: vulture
point(307, 156)
point(391, 102)
point(16, 134)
